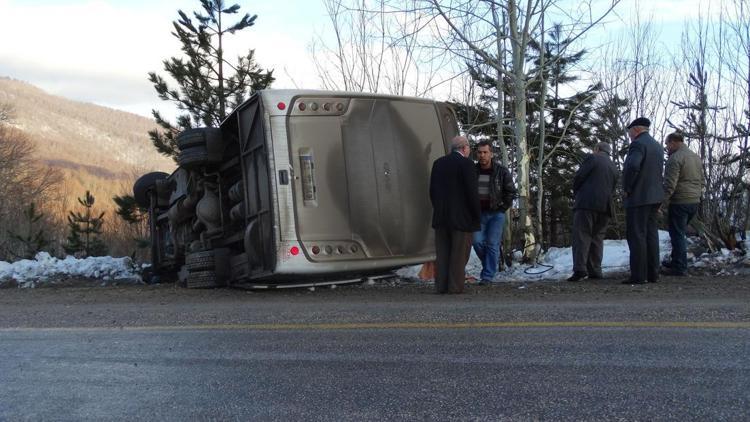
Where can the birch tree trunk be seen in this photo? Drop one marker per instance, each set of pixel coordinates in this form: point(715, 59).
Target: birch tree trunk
point(518, 42)
point(542, 127)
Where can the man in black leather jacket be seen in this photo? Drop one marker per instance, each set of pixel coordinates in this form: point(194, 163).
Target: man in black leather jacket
point(496, 191)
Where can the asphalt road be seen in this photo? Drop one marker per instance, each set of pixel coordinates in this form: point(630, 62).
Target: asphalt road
point(673, 351)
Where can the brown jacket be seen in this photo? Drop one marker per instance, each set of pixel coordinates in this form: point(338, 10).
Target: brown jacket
point(683, 177)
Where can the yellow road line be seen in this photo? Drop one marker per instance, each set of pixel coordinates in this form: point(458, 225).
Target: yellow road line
point(408, 325)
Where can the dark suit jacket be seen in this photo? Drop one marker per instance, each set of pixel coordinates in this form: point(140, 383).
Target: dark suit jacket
point(594, 184)
point(454, 193)
point(642, 172)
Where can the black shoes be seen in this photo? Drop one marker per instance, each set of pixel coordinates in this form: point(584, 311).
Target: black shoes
point(673, 273)
point(669, 270)
point(629, 281)
point(596, 276)
point(577, 276)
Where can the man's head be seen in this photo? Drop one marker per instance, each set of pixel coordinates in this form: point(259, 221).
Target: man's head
point(603, 147)
point(461, 145)
point(638, 126)
point(484, 154)
point(674, 141)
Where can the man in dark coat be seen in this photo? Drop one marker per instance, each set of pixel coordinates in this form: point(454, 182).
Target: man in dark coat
point(642, 183)
point(455, 203)
point(593, 187)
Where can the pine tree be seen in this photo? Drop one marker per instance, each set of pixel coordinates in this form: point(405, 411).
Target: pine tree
point(567, 129)
point(209, 85)
point(128, 210)
point(85, 229)
point(134, 215)
point(34, 240)
point(608, 124)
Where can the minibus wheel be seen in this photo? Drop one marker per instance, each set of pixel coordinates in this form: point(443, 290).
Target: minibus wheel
point(203, 260)
point(201, 280)
point(197, 137)
point(144, 184)
point(192, 158)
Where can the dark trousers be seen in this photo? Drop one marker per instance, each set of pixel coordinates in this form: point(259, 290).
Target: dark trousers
point(452, 249)
point(589, 228)
point(679, 217)
point(643, 241)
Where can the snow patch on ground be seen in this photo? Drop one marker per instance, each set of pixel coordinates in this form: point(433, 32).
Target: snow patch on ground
point(557, 263)
point(48, 269)
point(554, 265)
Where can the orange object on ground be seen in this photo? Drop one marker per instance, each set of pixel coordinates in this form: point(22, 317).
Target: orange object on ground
point(427, 272)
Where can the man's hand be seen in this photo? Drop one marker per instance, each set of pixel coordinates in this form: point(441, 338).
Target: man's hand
point(663, 208)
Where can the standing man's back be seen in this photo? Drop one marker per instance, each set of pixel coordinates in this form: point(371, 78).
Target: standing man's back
point(683, 189)
point(642, 172)
point(593, 187)
point(455, 203)
point(642, 183)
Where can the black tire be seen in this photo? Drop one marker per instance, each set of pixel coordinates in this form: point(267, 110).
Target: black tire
point(197, 137)
point(202, 280)
point(144, 184)
point(200, 261)
point(192, 158)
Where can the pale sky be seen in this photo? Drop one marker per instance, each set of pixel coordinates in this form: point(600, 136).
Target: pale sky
point(100, 51)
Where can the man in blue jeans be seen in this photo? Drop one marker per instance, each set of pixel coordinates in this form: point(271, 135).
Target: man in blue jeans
point(683, 187)
point(496, 191)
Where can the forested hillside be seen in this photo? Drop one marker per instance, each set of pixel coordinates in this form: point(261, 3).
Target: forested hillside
point(96, 148)
point(52, 151)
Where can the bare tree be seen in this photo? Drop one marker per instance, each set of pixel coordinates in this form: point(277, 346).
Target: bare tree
point(710, 115)
point(375, 47)
point(737, 39)
point(475, 31)
point(490, 37)
point(23, 180)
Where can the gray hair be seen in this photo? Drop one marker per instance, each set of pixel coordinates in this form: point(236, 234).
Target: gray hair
point(604, 147)
point(459, 142)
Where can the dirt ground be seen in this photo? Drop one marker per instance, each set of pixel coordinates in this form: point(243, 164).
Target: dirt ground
point(87, 290)
point(87, 303)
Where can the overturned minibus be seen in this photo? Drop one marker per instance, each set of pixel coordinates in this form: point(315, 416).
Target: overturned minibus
point(299, 185)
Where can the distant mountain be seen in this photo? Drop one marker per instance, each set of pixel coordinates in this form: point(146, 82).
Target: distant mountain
point(97, 148)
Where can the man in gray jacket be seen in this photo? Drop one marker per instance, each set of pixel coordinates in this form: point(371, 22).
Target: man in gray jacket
point(642, 183)
point(683, 188)
point(593, 187)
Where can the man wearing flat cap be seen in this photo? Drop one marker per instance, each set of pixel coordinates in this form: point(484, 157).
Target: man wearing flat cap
point(642, 183)
point(593, 189)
